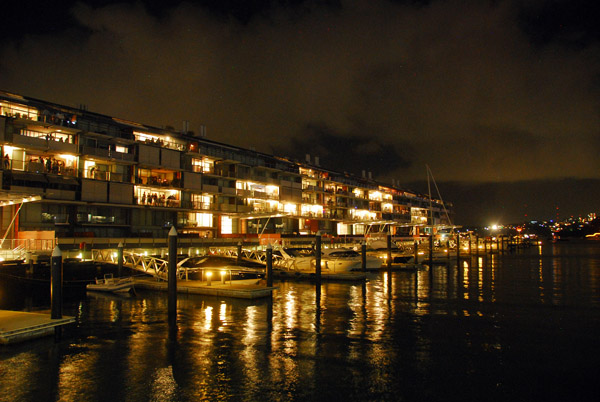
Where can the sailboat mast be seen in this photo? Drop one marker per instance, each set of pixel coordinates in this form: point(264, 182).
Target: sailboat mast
point(430, 217)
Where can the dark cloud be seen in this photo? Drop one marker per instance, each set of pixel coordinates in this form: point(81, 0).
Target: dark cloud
point(350, 152)
point(464, 87)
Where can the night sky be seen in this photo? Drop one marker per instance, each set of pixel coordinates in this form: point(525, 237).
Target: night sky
point(500, 98)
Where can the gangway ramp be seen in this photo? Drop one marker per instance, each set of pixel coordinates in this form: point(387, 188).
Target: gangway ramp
point(157, 267)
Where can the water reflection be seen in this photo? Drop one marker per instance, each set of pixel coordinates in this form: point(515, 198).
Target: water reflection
point(408, 335)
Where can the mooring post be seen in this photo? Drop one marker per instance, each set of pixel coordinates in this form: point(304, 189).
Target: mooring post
point(416, 250)
point(318, 257)
point(56, 284)
point(458, 249)
point(29, 261)
point(477, 246)
point(172, 276)
point(120, 259)
point(448, 250)
point(363, 254)
point(389, 252)
point(56, 271)
point(269, 265)
point(239, 252)
point(431, 249)
point(470, 241)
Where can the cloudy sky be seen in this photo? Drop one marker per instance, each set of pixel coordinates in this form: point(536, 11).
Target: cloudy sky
point(500, 98)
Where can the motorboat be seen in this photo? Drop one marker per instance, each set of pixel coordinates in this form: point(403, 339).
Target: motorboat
point(333, 260)
point(344, 259)
point(377, 248)
point(112, 284)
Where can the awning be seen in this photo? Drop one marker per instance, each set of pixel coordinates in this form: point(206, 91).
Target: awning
point(25, 176)
point(8, 197)
point(69, 180)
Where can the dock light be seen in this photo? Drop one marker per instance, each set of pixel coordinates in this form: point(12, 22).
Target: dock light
point(208, 276)
point(80, 256)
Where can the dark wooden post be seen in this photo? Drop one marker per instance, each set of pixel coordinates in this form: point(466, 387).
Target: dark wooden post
point(239, 252)
point(56, 284)
point(416, 251)
point(269, 265)
point(120, 260)
point(448, 249)
point(363, 254)
point(470, 241)
point(458, 249)
point(318, 257)
point(389, 252)
point(56, 272)
point(29, 261)
point(172, 276)
point(477, 246)
point(431, 248)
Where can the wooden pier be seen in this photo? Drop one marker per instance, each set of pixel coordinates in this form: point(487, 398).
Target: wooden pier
point(19, 326)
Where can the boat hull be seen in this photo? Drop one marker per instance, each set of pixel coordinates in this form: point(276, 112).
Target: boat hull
point(124, 285)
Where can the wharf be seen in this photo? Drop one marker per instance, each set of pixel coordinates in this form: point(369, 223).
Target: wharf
point(19, 326)
point(241, 289)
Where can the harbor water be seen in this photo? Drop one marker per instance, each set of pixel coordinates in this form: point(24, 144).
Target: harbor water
point(522, 326)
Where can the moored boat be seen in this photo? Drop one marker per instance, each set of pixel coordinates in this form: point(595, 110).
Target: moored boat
point(333, 260)
point(112, 284)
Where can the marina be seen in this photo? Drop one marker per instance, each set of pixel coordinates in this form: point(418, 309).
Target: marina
point(512, 326)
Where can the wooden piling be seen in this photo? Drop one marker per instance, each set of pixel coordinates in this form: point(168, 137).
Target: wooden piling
point(56, 284)
point(389, 252)
point(269, 265)
point(416, 251)
point(56, 273)
point(172, 276)
point(363, 254)
point(318, 257)
point(120, 260)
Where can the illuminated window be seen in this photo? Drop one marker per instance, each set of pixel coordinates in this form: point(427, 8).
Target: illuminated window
point(290, 208)
point(204, 220)
point(203, 165)
point(343, 229)
point(359, 229)
point(226, 225)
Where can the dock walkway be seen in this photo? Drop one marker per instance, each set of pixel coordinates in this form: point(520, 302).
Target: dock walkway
point(18, 326)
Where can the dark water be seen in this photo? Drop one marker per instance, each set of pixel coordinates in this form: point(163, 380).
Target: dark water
point(519, 327)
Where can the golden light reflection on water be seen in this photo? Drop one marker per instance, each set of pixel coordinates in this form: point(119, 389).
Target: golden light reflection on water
point(303, 339)
point(208, 311)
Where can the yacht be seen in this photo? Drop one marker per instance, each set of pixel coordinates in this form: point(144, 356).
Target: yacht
point(333, 260)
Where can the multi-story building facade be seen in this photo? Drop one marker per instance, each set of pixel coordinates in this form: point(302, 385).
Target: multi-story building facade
point(68, 172)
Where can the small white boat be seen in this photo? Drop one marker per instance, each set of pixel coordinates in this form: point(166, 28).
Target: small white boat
point(111, 284)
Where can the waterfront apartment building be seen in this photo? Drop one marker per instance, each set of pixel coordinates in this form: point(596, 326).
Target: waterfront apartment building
point(71, 173)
